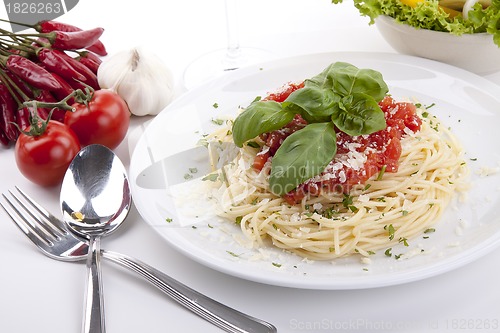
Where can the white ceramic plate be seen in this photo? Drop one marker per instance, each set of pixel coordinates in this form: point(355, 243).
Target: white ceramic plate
point(468, 104)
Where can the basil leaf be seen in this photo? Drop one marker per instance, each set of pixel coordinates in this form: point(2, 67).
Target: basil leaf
point(303, 155)
point(345, 79)
point(349, 79)
point(314, 103)
point(326, 78)
point(358, 114)
point(259, 117)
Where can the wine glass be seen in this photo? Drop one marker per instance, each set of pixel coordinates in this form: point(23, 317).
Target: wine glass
point(218, 62)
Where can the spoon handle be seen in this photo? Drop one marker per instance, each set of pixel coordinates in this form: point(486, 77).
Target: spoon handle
point(94, 306)
point(217, 313)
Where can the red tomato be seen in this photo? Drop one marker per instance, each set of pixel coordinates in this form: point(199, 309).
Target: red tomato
point(104, 121)
point(260, 160)
point(44, 159)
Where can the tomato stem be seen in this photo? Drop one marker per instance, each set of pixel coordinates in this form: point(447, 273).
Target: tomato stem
point(62, 104)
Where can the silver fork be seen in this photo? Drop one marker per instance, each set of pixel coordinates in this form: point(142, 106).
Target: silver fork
point(52, 237)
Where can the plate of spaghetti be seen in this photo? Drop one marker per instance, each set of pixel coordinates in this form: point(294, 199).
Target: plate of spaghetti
point(327, 171)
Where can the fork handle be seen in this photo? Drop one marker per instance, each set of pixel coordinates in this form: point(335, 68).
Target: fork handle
point(93, 321)
point(226, 318)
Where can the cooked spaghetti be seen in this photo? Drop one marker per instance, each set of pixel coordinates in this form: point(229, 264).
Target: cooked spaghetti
point(322, 221)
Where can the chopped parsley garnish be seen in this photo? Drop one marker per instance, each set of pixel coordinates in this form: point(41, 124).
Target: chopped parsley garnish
point(276, 265)
point(390, 229)
point(381, 173)
point(168, 220)
point(238, 220)
point(253, 144)
point(353, 209)
point(218, 121)
point(347, 200)
point(211, 177)
point(215, 105)
point(233, 254)
point(329, 213)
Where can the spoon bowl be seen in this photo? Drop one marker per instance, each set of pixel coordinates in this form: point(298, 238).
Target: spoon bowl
point(95, 194)
point(95, 200)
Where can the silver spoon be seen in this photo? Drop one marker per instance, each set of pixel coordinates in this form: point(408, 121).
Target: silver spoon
point(95, 200)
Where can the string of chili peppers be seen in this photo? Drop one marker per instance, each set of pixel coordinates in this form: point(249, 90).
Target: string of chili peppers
point(46, 65)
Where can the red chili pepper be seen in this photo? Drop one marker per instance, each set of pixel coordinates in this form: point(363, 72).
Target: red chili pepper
point(3, 138)
point(49, 26)
point(90, 64)
point(30, 72)
point(23, 118)
point(8, 116)
point(91, 56)
point(91, 78)
point(21, 85)
point(98, 48)
point(74, 40)
point(56, 64)
point(65, 90)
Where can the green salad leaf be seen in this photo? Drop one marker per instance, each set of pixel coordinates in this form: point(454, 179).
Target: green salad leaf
point(428, 14)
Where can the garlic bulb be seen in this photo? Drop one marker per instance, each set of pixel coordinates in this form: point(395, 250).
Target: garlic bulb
point(140, 78)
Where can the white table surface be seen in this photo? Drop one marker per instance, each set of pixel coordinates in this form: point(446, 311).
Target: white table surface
point(38, 294)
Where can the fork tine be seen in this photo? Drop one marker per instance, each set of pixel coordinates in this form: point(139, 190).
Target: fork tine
point(51, 221)
point(23, 223)
point(36, 220)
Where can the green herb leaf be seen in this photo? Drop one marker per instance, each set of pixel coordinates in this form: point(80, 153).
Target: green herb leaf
point(303, 155)
point(232, 254)
point(390, 229)
point(253, 144)
point(211, 177)
point(217, 121)
point(260, 117)
point(358, 114)
point(315, 104)
point(346, 79)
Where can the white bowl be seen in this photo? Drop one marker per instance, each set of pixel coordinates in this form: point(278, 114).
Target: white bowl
point(474, 52)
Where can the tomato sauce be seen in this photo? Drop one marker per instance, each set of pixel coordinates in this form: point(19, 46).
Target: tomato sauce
point(358, 157)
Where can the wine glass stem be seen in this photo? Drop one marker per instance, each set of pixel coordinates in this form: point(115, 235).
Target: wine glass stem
point(233, 43)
